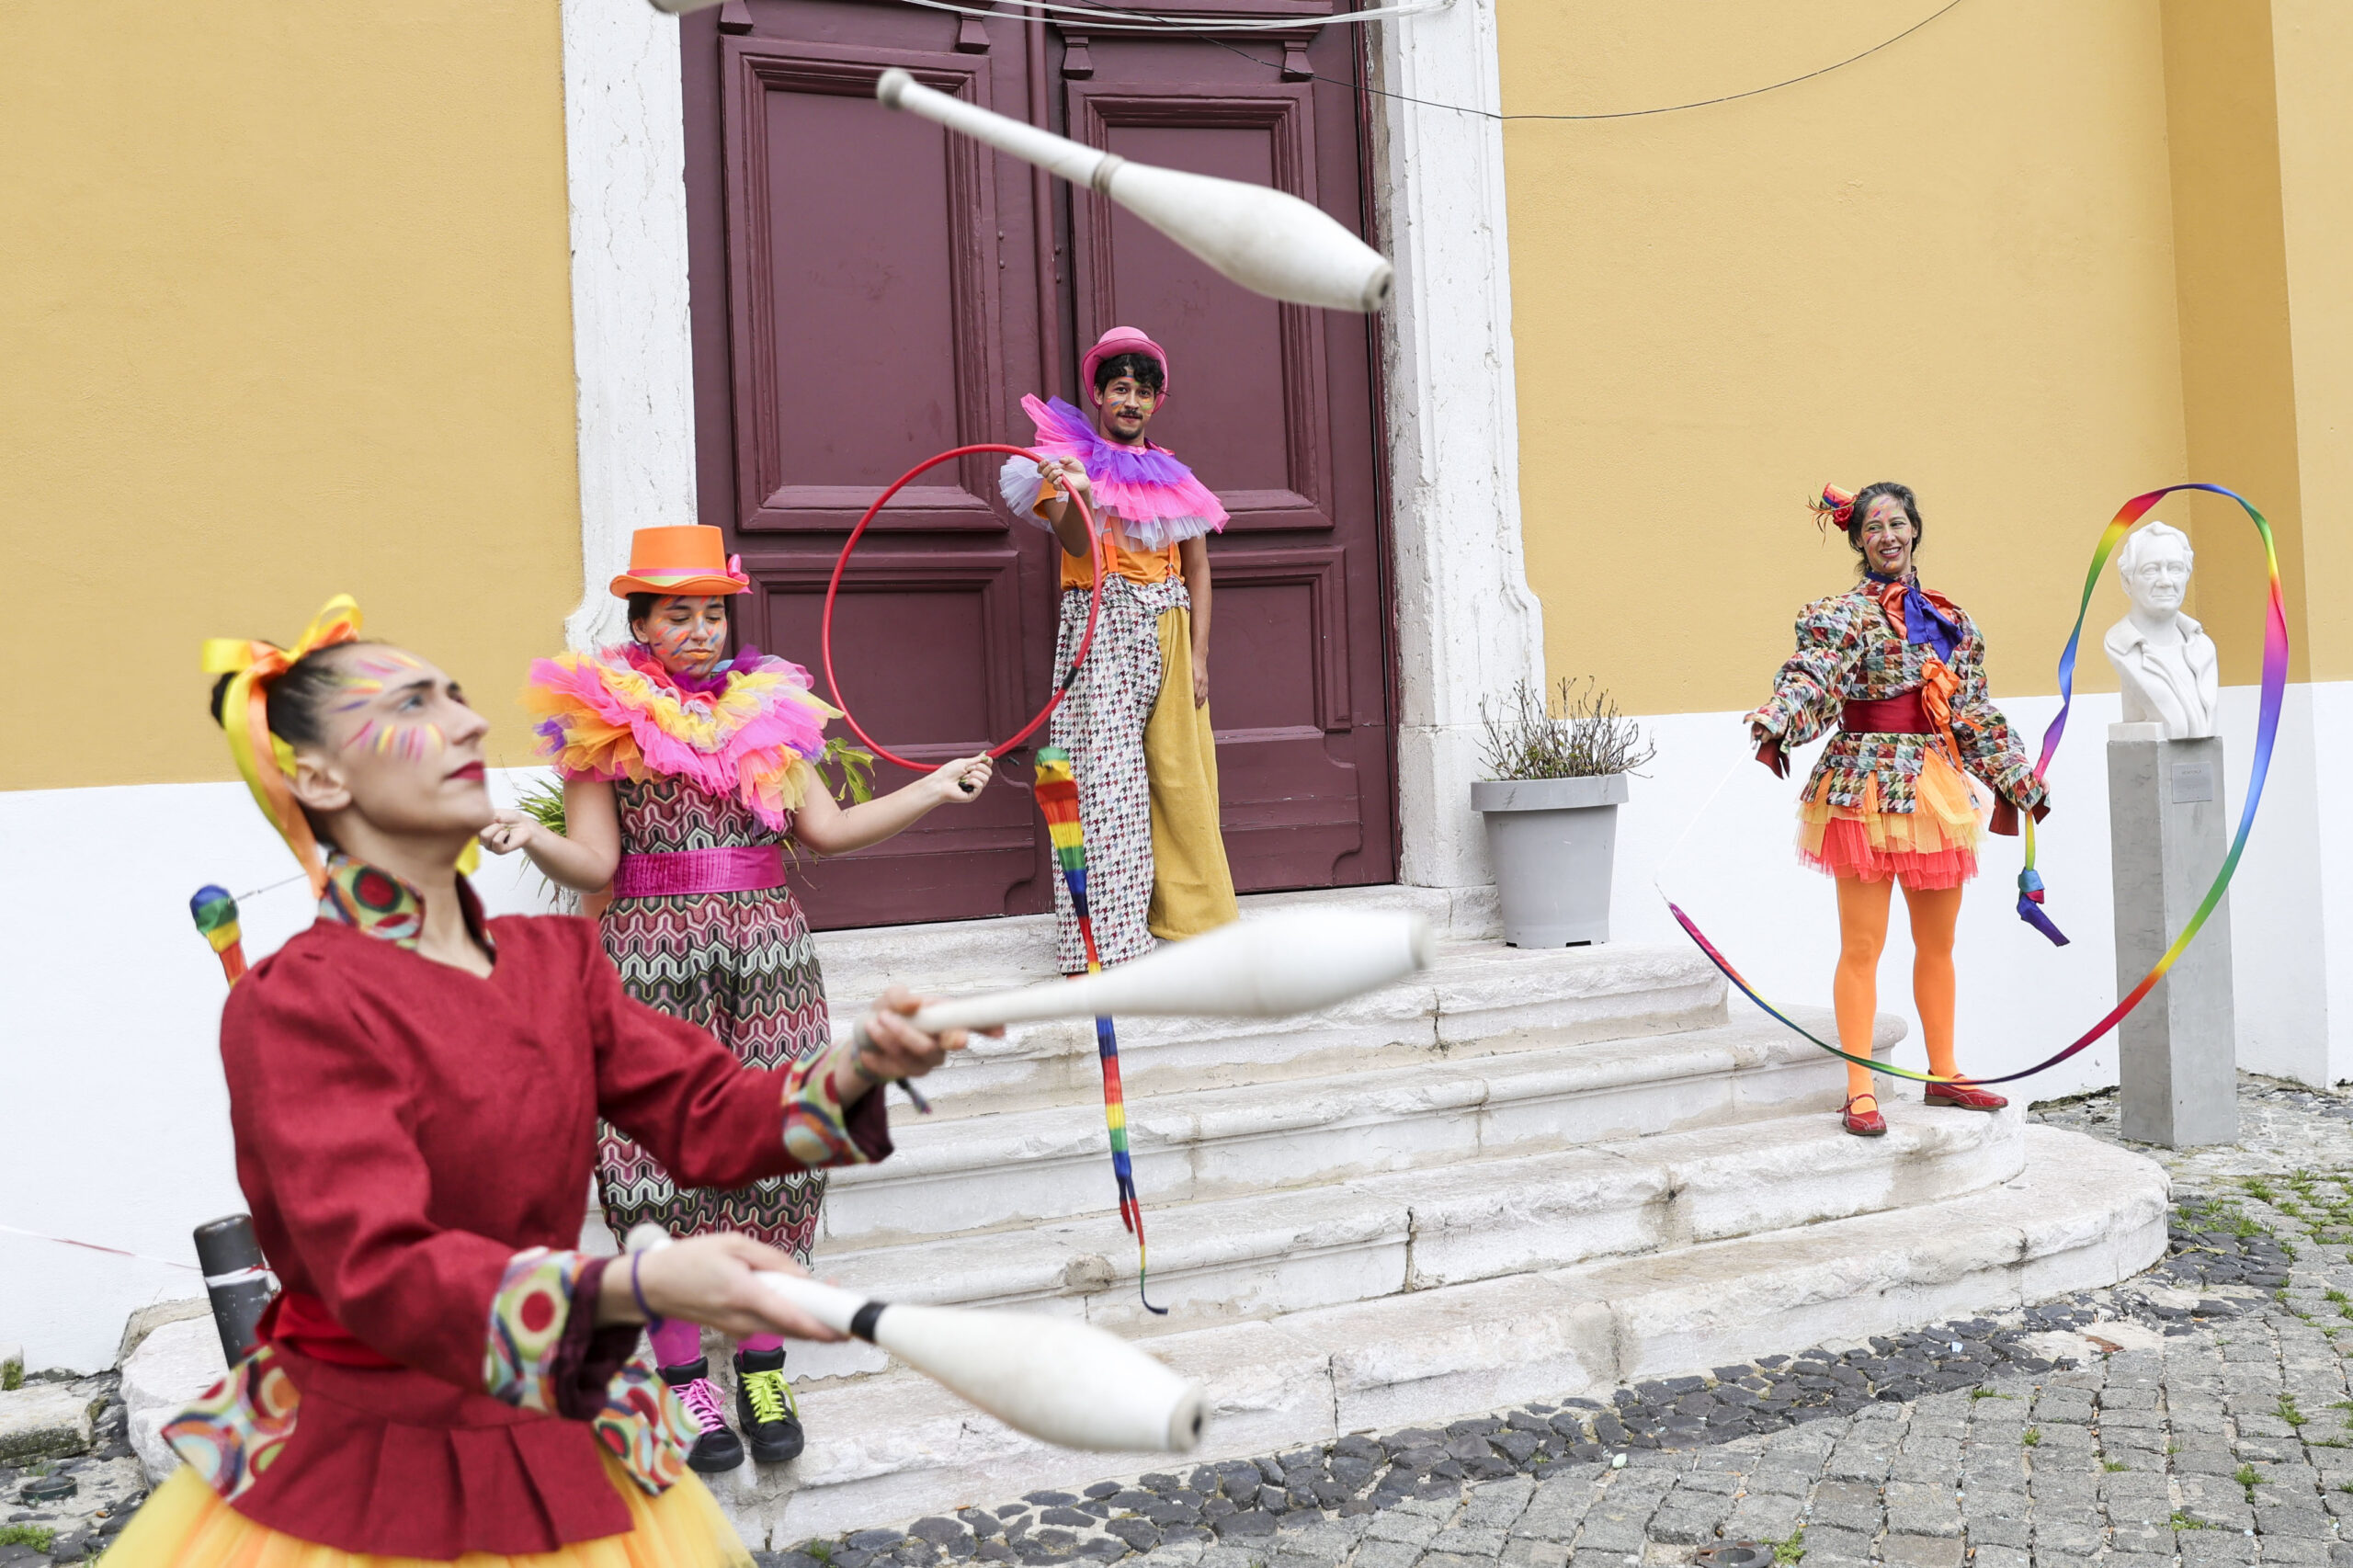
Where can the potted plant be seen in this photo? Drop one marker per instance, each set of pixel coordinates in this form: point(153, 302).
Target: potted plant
point(1556, 775)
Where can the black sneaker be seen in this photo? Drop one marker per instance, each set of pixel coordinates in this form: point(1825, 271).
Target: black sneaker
point(717, 1448)
point(765, 1407)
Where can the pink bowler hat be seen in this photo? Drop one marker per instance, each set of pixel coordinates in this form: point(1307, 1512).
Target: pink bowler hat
point(1121, 340)
point(692, 561)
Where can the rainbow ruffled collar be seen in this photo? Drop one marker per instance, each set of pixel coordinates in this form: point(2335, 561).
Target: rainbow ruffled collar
point(749, 729)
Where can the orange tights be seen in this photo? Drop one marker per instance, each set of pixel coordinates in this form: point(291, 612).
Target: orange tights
point(1862, 933)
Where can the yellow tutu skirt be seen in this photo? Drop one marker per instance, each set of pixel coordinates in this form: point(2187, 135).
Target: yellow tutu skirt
point(186, 1525)
point(1932, 846)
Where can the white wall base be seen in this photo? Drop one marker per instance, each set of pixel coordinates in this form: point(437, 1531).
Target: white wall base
point(1731, 865)
point(117, 1119)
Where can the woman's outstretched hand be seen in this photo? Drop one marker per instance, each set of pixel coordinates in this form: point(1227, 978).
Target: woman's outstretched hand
point(960, 781)
point(712, 1280)
point(510, 830)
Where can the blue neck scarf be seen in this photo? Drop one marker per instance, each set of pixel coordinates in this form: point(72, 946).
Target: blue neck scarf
point(1923, 622)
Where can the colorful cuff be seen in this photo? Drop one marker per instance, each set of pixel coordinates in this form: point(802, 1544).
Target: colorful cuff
point(531, 1313)
point(818, 1128)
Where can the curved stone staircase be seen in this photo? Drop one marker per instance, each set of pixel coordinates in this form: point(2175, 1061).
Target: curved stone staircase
point(1521, 1176)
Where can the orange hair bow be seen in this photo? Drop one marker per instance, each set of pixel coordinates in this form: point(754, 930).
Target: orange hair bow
point(264, 760)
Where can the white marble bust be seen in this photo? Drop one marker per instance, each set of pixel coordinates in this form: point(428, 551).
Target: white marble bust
point(2165, 662)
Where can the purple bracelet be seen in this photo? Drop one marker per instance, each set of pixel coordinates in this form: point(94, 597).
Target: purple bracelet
point(638, 1291)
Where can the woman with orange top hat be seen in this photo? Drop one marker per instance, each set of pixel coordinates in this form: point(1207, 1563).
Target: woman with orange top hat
point(1136, 722)
point(1898, 670)
point(687, 773)
point(414, 1090)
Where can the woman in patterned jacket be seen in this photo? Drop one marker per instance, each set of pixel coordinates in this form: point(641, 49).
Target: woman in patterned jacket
point(684, 773)
point(1899, 671)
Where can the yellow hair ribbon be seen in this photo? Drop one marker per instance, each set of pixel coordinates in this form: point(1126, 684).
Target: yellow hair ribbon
point(263, 760)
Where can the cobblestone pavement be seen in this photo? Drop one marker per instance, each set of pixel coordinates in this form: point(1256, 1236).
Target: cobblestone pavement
point(2197, 1415)
point(37, 1529)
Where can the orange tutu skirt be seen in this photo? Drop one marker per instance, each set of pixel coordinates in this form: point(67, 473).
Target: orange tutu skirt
point(186, 1525)
point(1930, 846)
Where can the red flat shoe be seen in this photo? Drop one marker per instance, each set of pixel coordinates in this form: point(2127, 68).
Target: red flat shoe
point(1961, 1097)
point(1863, 1123)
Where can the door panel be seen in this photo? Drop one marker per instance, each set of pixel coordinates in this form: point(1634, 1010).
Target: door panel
point(1279, 684)
point(965, 857)
point(868, 290)
point(902, 289)
point(1260, 363)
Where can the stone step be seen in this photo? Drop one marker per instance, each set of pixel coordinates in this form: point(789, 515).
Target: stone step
point(1477, 997)
point(1270, 1254)
point(1022, 1168)
point(2080, 1214)
point(1016, 949)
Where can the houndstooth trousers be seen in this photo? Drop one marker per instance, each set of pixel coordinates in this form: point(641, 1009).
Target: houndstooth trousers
point(1155, 864)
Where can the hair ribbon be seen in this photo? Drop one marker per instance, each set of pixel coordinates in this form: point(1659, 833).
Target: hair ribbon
point(264, 760)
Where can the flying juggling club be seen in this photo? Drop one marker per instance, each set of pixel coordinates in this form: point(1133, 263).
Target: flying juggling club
point(1265, 968)
point(1268, 241)
point(1057, 1378)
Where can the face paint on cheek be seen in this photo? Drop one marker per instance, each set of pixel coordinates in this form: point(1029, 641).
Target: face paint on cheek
point(416, 740)
point(671, 642)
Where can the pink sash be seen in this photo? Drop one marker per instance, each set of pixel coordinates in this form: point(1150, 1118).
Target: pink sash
point(743, 868)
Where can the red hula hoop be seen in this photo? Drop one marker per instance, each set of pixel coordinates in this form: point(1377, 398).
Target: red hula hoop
point(841, 564)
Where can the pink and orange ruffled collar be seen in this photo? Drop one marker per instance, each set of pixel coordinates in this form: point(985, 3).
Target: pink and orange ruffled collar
point(749, 729)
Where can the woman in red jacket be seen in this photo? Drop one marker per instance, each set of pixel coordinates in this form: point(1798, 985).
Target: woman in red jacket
point(414, 1090)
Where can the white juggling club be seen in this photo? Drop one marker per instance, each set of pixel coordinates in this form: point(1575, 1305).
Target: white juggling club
point(1265, 968)
point(1061, 1380)
point(1268, 241)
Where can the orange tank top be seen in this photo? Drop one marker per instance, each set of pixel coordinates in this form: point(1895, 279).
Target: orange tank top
point(1136, 566)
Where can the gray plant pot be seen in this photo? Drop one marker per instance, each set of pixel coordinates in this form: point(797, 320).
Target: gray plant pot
point(1553, 842)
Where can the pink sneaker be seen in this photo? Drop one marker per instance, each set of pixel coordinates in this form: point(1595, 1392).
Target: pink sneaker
point(717, 1448)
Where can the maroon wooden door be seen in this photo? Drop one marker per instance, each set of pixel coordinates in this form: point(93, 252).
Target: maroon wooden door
point(868, 290)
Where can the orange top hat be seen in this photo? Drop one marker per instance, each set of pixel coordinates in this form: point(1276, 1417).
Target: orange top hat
point(690, 559)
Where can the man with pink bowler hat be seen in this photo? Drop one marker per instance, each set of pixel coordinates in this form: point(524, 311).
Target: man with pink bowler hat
point(1136, 722)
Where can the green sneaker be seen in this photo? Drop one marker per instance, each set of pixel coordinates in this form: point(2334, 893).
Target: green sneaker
point(765, 1407)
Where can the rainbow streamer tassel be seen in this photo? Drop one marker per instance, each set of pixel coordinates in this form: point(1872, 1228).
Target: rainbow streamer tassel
point(2030, 888)
point(1057, 791)
point(215, 912)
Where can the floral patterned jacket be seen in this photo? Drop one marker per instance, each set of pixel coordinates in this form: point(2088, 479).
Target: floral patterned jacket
point(1851, 647)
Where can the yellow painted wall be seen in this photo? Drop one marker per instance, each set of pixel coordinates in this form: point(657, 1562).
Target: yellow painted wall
point(2238, 366)
point(1951, 264)
point(284, 311)
point(2312, 48)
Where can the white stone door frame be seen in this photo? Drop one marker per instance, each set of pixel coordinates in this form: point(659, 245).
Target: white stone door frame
point(1466, 623)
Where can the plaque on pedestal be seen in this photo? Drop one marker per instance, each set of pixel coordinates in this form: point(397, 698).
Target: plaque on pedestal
point(2167, 836)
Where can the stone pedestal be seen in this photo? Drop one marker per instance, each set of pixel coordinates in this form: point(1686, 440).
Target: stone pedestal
point(2167, 832)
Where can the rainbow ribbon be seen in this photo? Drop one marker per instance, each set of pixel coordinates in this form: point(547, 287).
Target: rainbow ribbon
point(1057, 791)
point(2031, 889)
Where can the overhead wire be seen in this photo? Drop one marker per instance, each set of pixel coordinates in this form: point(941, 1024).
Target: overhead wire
point(1153, 22)
point(1204, 28)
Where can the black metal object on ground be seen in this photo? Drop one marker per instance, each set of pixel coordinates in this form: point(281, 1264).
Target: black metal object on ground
point(237, 1279)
